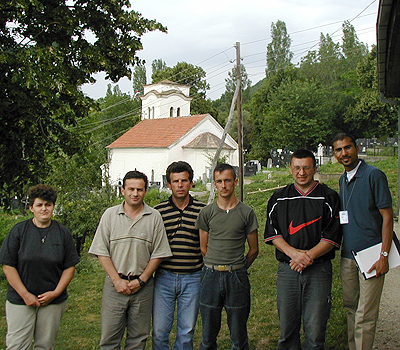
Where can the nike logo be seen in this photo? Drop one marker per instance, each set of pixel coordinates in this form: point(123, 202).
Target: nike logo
point(293, 230)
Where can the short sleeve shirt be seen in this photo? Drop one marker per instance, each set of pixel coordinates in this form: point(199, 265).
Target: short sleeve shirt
point(362, 197)
point(130, 244)
point(227, 232)
point(40, 256)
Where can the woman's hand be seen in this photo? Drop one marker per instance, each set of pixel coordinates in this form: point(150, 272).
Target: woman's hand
point(31, 300)
point(45, 298)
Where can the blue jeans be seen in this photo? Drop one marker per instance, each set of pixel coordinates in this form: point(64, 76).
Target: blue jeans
point(306, 296)
point(172, 289)
point(229, 290)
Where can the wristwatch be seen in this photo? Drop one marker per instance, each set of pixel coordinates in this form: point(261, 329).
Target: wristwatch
point(385, 254)
point(142, 283)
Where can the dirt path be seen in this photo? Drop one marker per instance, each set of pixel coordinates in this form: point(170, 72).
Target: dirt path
point(388, 330)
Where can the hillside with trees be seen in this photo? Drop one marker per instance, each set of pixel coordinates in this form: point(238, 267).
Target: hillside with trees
point(332, 89)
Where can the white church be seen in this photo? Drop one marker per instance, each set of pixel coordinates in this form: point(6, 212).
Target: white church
point(168, 133)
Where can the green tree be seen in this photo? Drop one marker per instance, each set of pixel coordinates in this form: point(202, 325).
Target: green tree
point(369, 116)
point(81, 197)
point(258, 135)
point(82, 178)
point(230, 82)
point(184, 73)
point(333, 68)
point(278, 69)
point(353, 49)
point(223, 104)
point(329, 59)
point(295, 117)
point(118, 113)
point(188, 74)
point(278, 50)
point(156, 66)
point(45, 57)
point(139, 78)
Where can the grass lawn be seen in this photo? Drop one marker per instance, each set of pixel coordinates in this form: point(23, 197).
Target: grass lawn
point(80, 327)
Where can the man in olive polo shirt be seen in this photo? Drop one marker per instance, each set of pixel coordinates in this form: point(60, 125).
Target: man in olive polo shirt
point(130, 242)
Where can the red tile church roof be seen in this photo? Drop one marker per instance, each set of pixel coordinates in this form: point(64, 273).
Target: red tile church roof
point(157, 133)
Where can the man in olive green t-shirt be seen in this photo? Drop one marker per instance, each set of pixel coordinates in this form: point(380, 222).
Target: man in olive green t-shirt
point(225, 226)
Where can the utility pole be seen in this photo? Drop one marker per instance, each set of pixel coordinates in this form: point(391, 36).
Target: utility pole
point(240, 124)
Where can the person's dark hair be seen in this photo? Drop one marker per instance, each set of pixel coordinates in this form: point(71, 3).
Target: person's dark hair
point(222, 167)
point(179, 167)
point(134, 174)
point(42, 191)
point(303, 153)
point(342, 135)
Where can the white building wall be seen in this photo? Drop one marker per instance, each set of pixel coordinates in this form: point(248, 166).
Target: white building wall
point(161, 97)
point(148, 160)
point(160, 107)
point(145, 160)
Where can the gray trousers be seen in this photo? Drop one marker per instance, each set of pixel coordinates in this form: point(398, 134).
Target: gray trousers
point(130, 312)
point(26, 323)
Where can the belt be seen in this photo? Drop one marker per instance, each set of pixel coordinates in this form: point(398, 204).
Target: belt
point(129, 277)
point(228, 268)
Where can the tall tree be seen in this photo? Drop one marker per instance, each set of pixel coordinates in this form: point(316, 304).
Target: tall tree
point(224, 102)
point(46, 56)
point(139, 78)
point(369, 116)
point(329, 58)
point(259, 134)
point(230, 82)
point(158, 65)
point(278, 50)
point(353, 49)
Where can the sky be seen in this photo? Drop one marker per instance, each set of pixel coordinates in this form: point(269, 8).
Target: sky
point(204, 33)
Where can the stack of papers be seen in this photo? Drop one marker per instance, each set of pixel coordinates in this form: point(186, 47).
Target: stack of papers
point(366, 257)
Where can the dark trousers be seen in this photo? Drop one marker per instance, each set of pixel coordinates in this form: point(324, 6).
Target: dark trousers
point(304, 296)
point(229, 290)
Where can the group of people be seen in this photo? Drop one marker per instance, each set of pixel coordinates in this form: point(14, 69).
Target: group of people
point(307, 222)
point(197, 254)
point(199, 259)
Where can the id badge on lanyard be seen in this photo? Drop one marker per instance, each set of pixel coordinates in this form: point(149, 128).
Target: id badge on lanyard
point(344, 217)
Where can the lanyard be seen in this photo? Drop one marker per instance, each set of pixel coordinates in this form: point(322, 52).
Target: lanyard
point(345, 205)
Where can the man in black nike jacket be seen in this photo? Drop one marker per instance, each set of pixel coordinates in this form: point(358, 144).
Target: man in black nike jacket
point(303, 225)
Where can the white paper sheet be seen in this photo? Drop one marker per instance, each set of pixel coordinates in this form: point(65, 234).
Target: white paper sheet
point(367, 257)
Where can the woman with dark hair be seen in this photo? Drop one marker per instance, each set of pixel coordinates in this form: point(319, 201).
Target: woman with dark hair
point(39, 258)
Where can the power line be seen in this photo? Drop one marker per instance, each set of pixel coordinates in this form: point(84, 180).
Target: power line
point(220, 68)
point(316, 27)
